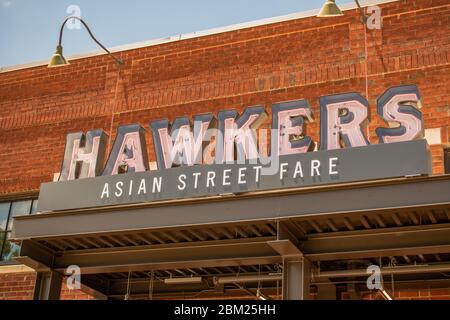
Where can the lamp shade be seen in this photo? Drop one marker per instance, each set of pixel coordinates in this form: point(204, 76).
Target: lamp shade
point(330, 9)
point(58, 59)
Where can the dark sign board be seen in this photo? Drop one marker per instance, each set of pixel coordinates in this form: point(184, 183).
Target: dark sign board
point(291, 171)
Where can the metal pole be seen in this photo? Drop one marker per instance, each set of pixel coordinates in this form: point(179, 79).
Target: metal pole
point(361, 10)
point(118, 61)
point(445, 267)
point(247, 279)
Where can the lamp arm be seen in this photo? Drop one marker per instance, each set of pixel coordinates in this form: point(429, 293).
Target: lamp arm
point(118, 61)
point(361, 10)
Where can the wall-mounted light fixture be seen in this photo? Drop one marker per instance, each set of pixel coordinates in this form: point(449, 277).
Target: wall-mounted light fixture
point(331, 9)
point(58, 59)
point(186, 280)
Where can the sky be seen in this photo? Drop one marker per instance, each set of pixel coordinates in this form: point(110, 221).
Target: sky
point(29, 28)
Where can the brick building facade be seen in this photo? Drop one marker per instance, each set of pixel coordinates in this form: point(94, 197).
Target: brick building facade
point(297, 57)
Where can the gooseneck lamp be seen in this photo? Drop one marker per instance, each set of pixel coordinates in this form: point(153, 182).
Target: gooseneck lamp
point(58, 59)
point(331, 9)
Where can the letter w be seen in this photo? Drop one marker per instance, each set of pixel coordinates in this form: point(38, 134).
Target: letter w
point(183, 146)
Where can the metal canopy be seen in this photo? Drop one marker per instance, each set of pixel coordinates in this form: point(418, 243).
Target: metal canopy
point(358, 197)
point(414, 240)
point(402, 221)
point(144, 258)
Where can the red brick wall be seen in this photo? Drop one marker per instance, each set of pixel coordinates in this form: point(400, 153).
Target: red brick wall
point(303, 58)
point(20, 286)
point(17, 286)
point(67, 294)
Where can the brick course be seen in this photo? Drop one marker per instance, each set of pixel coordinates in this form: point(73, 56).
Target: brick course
point(302, 58)
point(20, 286)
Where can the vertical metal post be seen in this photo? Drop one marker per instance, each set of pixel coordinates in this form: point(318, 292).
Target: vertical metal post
point(48, 286)
point(447, 160)
point(296, 279)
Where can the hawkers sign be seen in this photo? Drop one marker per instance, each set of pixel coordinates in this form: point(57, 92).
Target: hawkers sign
point(227, 154)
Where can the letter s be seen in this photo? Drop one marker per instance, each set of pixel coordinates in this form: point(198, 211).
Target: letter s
point(399, 107)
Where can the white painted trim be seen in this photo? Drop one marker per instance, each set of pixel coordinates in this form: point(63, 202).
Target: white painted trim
point(16, 268)
point(433, 136)
point(256, 23)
